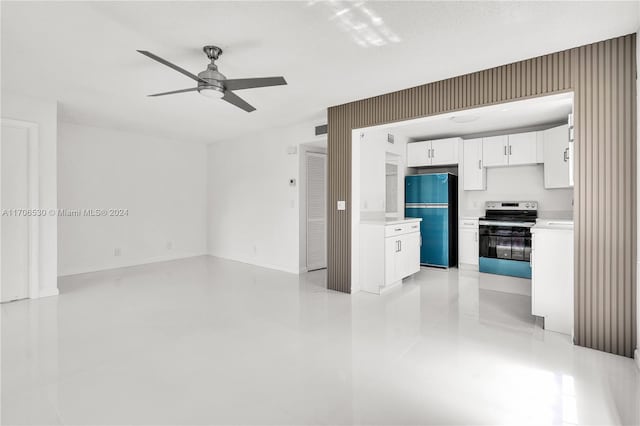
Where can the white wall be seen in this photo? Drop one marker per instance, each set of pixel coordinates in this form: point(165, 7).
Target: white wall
point(161, 182)
point(369, 153)
point(519, 183)
point(45, 114)
point(253, 212)
point(637, 354)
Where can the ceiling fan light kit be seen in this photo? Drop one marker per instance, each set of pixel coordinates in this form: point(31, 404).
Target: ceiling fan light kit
point(213, 84)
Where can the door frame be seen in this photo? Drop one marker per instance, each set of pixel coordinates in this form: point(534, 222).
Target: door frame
point(307, 154)
point(33, 186)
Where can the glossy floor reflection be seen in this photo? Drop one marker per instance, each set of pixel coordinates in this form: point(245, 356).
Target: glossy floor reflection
point(204, 340)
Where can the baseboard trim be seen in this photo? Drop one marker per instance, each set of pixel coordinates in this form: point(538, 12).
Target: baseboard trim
point(260, 265)
point(157, 259)
point(48, 292)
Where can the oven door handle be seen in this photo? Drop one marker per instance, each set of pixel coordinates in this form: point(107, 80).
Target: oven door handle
point(513, 224)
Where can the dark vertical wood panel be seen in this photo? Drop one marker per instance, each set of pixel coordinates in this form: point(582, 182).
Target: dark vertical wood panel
point(602, 77)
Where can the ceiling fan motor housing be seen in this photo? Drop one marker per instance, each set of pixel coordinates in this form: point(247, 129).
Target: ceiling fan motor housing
point(213, 77)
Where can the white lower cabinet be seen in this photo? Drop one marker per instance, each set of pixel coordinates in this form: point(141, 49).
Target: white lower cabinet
point(388, 253)
point(468, 246)
point(552, 274)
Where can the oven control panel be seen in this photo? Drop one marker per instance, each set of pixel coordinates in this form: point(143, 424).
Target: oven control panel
point(511, 205)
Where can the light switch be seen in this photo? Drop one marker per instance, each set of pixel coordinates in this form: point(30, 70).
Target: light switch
point(342, 205)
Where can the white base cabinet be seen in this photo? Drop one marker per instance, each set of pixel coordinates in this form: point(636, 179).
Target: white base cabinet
point(389, 252)
point(552, 274)
point(468, 246)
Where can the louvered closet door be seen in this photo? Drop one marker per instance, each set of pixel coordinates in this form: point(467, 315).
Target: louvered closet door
point(316, 211)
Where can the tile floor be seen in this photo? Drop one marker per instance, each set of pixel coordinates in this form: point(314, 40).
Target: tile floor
point(210, 341)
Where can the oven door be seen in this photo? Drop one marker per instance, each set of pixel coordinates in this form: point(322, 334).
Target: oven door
point(503, 240)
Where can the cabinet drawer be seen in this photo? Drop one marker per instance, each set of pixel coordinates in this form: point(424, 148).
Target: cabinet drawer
point(468, 223)
point(401, 228)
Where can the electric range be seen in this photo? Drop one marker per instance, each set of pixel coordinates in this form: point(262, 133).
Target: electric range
point(505, 237)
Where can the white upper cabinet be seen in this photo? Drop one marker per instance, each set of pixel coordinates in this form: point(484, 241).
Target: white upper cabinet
point(444, 151)
point(557, 158)
point(511, 150)
point(419, 154)
point(494, 151)
point(473, 171)
point(433, 153)
point(523, 149)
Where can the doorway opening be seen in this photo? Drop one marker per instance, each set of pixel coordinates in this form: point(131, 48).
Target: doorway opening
point(19, 203)
point(313, 205)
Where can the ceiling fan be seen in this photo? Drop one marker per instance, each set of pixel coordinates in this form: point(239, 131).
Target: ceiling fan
point(213, 84)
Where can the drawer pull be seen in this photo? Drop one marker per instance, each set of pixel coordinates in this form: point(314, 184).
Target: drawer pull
point(398, 229)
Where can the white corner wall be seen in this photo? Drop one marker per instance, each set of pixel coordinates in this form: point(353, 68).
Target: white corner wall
point(637, 353)
point(161, 182)
point(253, 212)
point(45, 114)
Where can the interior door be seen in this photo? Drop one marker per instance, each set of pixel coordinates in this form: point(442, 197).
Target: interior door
point(14, 229)
point(316, 211)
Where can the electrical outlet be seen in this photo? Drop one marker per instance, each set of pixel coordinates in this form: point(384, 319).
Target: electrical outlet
point(116, 251)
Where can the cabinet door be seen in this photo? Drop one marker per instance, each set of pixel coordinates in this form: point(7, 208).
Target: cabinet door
point(468, 246)
point(557, 158)
point(522, 149)
point(494, 151)
point(419, 154)
point(473, 171)
point(444, 151)
point(391, 250)
point(552, 279)
point(409, 259)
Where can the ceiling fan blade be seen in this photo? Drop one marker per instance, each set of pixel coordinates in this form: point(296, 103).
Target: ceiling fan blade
point(172, 66)
point(250, 83)
point(192, 89)
point(236, 100)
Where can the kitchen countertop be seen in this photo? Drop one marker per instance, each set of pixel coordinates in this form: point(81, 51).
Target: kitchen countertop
point(560, 224)
point(391, 221)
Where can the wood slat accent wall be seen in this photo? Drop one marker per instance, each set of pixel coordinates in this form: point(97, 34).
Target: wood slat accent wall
point(603, 78)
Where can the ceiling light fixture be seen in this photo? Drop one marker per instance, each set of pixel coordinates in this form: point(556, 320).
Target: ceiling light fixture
point(461, 119)
point(211, 92)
